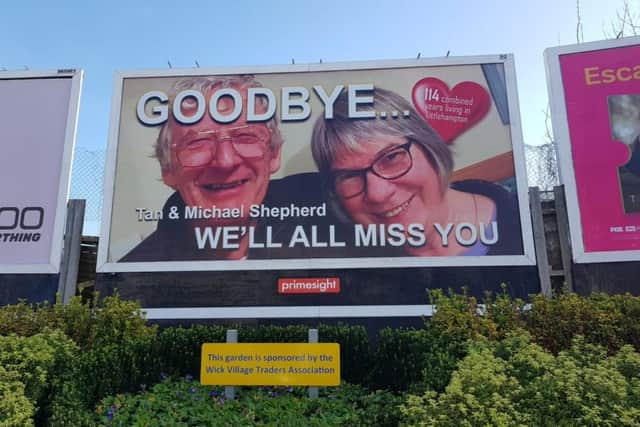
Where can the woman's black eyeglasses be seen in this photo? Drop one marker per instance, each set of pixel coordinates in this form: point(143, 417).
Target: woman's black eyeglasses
point(390, 164)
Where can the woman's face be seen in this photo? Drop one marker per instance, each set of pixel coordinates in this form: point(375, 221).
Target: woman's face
point(412, 198)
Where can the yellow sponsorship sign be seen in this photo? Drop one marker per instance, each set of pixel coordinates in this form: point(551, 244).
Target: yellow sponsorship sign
point(300, 364)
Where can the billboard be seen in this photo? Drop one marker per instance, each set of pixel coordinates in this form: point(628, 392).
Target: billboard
point(38, 115)
point(594, 90)
point(369, 164)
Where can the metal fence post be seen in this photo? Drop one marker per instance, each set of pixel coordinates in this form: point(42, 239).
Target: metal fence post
point(540, 241)
point(313, 338)
point(562, 217)
point(71, 252)
point(232, 337)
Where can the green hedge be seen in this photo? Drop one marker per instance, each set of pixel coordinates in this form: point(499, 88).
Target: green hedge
point(176, 351)
point(610, 321)
point(16, 410)
point(516, 382)
point(110, 321)
point(64, 359)
point(40, 369)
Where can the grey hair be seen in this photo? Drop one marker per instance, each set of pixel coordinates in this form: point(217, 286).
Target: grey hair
point(331, 135)
point(206, 84)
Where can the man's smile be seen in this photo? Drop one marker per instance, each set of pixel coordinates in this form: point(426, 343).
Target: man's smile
point(224, 185)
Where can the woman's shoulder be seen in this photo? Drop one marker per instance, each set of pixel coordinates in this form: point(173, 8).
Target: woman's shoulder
point(507, 212)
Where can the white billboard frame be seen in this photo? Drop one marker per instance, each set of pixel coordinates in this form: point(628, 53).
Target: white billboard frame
point(55, 257)
point(515, 127)
point(562, 138)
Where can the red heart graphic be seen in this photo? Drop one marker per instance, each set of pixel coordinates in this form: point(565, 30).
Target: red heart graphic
point(450, 112)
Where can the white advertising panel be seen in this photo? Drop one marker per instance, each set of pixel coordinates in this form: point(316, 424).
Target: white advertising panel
point(38, 114)
point(351, 165)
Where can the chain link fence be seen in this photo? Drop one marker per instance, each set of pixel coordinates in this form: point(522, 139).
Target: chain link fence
point(87, 183)
point(88, 173)
point(542, 168)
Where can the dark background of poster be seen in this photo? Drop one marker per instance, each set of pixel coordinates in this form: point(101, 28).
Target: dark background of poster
point(374, 286)
point(33, 288)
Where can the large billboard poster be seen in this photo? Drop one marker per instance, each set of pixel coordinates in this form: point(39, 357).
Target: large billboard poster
point(38, 115)
point(595, 98)
point(374, 164)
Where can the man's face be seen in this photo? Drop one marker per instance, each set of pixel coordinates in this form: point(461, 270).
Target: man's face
point(221, 165)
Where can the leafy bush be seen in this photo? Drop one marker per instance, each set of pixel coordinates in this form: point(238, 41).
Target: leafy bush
point(59, 380)
point(177, 349)
point(111, 321)
point(554, 322)
point(516, 382)
point(584, 387)
point(44, 365)
point(480, 393)
point(606, 320)
point(116, 368)
point(505, 312)
point(627, 310)
point(355, 350)
point(399, 358)
point(76, 320)
point(15, 409)
point(116, 321)
point(459, 317)
point(439, 361)
point(186, 403)
point(68, 407)
point(24, 319)
point(37, 359)
point(420, 360)
point(468, 359)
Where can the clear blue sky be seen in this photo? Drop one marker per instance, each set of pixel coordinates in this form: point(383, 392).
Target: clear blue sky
point(102, 37)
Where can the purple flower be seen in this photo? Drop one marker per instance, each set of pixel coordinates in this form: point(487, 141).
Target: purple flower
point(289, 389)
point(188, 377)
point(197, 398)
point(213, 394)
point(221, 401)
point(192, 390)
point(110, 414)
point(163, 376)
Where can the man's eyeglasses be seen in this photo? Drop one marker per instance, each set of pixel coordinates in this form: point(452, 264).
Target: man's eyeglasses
point(390, 164)
point(249, 141)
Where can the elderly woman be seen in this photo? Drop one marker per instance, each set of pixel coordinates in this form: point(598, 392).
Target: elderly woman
point(396, 172)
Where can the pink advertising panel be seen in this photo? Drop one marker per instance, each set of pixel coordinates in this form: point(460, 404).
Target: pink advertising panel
point(37, 128)
point(595, 96)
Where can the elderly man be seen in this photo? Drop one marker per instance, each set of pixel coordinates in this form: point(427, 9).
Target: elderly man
point(221, 167)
